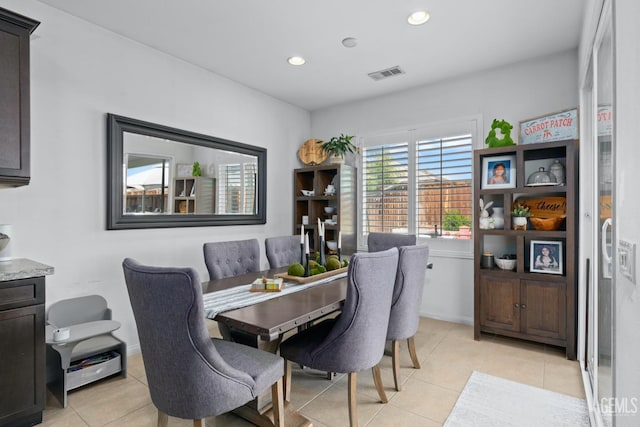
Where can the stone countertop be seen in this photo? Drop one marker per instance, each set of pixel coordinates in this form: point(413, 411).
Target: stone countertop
point(22, 268)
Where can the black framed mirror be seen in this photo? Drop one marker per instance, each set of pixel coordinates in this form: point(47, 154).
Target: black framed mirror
point(159, 177)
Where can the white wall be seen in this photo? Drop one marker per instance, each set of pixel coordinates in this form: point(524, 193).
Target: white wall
point(514, 93)
point(80, 72)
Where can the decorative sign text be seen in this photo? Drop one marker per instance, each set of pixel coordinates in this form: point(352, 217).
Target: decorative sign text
point(556, 127)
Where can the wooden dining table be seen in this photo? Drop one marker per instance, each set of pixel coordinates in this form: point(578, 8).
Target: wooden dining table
point(263, 325)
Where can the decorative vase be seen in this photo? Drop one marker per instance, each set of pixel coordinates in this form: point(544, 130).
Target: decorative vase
point(6, 232)
point(558, 171)
point(498, 217)
point(335, 160)
point(519, 222)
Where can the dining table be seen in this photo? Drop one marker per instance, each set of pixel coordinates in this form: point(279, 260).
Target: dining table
point(263, 324)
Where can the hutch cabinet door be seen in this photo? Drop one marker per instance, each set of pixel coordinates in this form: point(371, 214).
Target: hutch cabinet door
point(500, 303)
point(544, 309)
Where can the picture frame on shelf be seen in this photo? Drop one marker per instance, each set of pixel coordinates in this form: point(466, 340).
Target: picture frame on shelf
point(546, 257)
point(498, 172)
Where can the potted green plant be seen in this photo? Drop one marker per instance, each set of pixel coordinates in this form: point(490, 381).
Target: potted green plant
point(519, 214)
point(337, 147)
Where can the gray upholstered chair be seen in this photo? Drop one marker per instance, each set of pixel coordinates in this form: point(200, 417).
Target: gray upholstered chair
point(354, 340)
point(382, 241)
point(405, 307)
point(228, 259)
point(282, 251)
point(191, 375)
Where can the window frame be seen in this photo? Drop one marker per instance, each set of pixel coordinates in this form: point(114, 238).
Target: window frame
point(472, 125)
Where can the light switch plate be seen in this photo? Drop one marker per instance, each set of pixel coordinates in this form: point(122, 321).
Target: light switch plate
point(627, 259)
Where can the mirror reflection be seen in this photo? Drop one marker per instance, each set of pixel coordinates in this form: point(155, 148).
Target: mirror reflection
point(175, 178)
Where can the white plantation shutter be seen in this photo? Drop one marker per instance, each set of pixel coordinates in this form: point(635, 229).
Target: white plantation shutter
point(237, 188)
point(250, 171)
point(443, 184)
point(385, 174)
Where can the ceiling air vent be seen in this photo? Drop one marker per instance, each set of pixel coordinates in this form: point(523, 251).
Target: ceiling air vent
point(383, 74)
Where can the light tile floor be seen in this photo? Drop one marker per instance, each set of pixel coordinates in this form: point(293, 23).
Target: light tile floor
point(447, 352)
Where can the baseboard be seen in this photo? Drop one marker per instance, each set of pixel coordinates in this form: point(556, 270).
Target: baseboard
point(447, 318)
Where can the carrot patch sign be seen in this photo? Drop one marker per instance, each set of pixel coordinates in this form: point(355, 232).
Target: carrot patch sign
point(554, 127)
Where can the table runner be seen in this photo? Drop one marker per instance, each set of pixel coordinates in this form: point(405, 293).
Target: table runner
point(239, 296)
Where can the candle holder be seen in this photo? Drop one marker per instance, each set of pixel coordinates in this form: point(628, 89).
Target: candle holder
point(302, 253)
point(340, 255)
point(321, 249)
point(306, 267)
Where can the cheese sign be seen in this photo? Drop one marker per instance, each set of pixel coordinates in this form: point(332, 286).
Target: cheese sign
point(555, 127)
point(545, 207)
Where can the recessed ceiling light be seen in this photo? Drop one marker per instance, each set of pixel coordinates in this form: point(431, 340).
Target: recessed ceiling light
point(418, 18)
point(349, 42)
point(296, 60)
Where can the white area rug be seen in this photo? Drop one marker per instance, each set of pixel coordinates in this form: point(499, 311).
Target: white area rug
point(489, 401)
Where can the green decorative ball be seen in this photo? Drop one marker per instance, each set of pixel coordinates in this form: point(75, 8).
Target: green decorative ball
point(296, 269)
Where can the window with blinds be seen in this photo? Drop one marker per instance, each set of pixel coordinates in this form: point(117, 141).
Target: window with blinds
point(417, 184)
point(444, 187)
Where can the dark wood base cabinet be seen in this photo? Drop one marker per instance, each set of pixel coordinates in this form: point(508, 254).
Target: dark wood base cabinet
point(22, 352)
point(524, 308)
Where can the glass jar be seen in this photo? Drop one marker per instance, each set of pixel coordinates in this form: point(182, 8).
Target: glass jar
point(498, 217)
point(558, 171)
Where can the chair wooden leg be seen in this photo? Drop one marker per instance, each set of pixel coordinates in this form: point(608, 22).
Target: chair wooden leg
point(163, 419)
point(412, 352)
point(278, 403)
point(287, 380)
point(200, 423)
point(353, 399)
point(377, 380)
point(395, 360)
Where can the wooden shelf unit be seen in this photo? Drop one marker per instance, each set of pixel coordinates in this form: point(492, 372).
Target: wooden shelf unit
point(317, 178)
point(194, 195)
point(523, 304)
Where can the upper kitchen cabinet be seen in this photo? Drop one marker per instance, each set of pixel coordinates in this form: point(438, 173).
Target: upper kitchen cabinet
point(14, 98)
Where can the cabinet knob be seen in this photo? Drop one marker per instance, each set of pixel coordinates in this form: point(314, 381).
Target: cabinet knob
point(523, 306)
point(516, 305)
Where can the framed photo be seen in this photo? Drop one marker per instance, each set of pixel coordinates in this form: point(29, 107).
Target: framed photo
point(498, 172)
point(545, 257)
point(550, 127)
point(184, 169)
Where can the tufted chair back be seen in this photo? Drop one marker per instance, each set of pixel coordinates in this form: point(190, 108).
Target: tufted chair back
point(228, 259)
point(282, 251)
point(377, 242)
